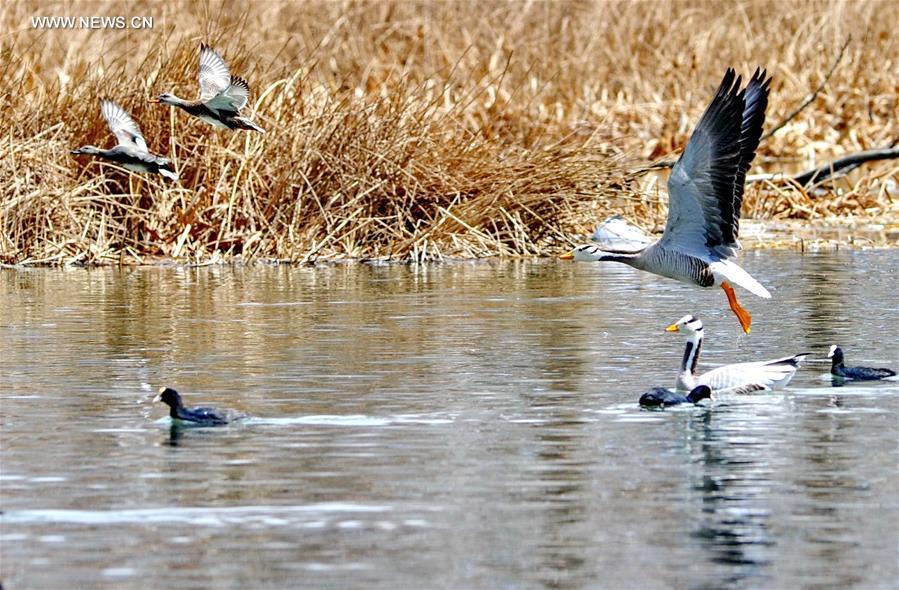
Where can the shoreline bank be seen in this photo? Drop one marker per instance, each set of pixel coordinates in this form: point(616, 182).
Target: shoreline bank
point(829, 235)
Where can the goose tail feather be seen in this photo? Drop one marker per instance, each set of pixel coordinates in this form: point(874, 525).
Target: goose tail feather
point(725, 270)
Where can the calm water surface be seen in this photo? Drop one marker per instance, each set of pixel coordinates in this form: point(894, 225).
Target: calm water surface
point(457, 425)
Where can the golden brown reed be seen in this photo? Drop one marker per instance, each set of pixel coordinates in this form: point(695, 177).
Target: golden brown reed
point(417, 130)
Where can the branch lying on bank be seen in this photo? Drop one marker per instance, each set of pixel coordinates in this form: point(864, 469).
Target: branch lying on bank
point(825, 172)
point(822, 173)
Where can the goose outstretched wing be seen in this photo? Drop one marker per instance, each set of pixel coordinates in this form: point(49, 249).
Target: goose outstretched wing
point(706, 185)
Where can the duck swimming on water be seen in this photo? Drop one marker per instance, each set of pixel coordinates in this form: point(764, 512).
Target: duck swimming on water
point(855, 373)
point(659, 396)
point(222, 95)
point(199, 416)
point(705, 196)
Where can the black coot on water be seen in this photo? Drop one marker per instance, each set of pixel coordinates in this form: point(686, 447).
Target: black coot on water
point(857, 373)
point(659, 396)
point(199, 416)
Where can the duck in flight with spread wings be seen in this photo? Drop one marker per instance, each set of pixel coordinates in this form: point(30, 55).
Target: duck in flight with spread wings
point(131, 152)
point(705, 195)
point(222, 95)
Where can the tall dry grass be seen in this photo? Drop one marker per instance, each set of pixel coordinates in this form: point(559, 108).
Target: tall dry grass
point(418, 130)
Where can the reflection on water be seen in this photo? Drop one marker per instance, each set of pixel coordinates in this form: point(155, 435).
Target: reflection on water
point(453, 425)
point(735, 487)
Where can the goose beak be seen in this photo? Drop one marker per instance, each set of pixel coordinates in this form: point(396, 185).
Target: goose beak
point(567, 256)
point(158, 398)
point(672, 328)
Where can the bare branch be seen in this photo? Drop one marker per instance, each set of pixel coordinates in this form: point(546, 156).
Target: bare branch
point(842, 165)
point(662, 164)
point(814, 94)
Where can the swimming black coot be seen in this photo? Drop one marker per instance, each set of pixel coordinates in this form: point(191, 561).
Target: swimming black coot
point(200, 416)
point(857, 373)
point(659, 396)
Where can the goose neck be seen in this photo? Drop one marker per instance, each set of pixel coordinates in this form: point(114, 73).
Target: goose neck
point(629, 258)
point(686, 380)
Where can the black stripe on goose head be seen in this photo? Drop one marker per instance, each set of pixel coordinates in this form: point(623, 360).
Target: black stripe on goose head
point(689, 323)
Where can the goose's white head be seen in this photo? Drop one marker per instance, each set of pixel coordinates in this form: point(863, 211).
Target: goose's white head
point(834, 351)
point(584, 253)
point(689, 324)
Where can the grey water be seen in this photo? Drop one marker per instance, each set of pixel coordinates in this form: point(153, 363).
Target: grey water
point(454, 425)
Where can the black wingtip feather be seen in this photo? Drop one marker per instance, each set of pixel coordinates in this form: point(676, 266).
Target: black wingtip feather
point(722, 120)
point(755, 102)
point(741, 131)
point(237, 80)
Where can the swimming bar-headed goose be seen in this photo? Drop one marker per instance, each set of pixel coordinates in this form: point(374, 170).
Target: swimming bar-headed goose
point(131, 152)
point(221, 95)
point(736, 378)
point(705, 195)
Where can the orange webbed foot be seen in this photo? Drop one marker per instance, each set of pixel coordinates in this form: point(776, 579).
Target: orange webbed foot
point(739, 310)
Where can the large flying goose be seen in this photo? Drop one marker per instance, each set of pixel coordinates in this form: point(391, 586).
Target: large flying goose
point(131, 152)
point(736, 378)
point(705, 195)
point(221, 95)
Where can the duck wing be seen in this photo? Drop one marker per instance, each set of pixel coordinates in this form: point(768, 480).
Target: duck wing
point(704, 199)
point(232, 98)
point(122, 126)
point(214, 75)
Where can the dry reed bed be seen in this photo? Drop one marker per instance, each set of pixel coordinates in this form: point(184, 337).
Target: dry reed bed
point(417, 130)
